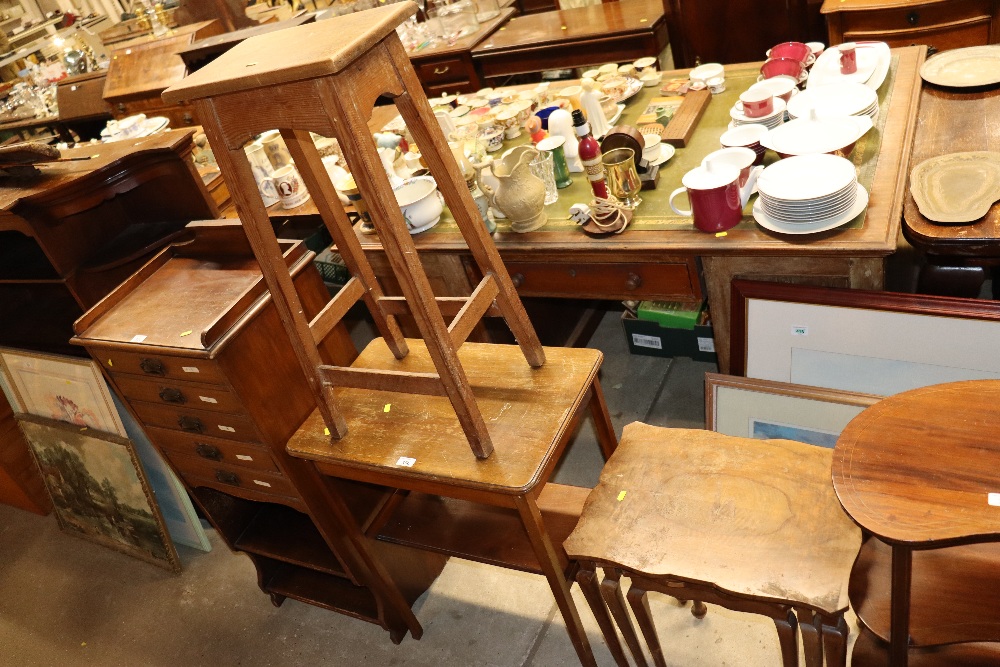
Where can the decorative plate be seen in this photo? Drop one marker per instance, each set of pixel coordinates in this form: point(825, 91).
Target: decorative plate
point(964, 68)
point(956, 188)
point(634, 86)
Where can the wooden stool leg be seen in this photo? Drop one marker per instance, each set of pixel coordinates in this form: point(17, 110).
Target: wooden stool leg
point(639, 602)
point(788, 638)
point(612, 593)
point(554, 568)
point(835, 641)
point(812, 636)
point(606, 437)
point(586, 576)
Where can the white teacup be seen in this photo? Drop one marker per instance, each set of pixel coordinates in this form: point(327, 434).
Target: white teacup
point(291, 190)
point(651, 146)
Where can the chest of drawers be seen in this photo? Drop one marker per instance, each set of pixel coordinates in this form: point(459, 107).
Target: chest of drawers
point(940, 24)
point(195, 346)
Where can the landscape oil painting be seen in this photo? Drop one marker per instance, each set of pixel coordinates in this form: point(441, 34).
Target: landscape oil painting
point(98, 489)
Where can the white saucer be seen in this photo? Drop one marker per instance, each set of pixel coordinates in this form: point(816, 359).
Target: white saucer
point(666, 152)
point(821, 225)
point(417, 230)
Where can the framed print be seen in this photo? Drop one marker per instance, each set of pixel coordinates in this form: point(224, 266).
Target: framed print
point(878, 343)
point(98, 489)
point(60, 388)
point(750, 408)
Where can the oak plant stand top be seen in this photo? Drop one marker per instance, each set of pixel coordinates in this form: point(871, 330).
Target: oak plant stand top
point(325, 78)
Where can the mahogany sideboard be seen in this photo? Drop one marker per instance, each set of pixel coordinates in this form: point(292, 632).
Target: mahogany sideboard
point(939, 24)
point(195, 346)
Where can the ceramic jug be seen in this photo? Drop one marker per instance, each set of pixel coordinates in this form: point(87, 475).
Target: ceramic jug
point(513, 190)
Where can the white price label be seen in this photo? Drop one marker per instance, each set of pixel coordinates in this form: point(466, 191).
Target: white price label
point(208, 399)
point(640, 340)
point(993, 499)
point(405, 461)
point(190, 369)
point(706, 344)
point(228, 429)
point(260, 483)
point(137, 338)
point(244, 457)
point(800, 330)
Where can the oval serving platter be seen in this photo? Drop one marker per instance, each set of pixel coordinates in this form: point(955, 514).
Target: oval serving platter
point(957, 188)
point(964, 68)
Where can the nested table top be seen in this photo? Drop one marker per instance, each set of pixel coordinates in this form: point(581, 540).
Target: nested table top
point(753, 517)
point(919, 467)
point(295, 54)
point(955, 121)
point(527, 412)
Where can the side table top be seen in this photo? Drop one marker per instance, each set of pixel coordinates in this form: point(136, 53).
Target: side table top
point(527, 411)
point(919, 467)
point(953, 121)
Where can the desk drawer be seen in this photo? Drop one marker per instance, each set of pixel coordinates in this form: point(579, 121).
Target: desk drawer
point(917, 18)
point(196, 422)
point(161, 366)
point(179, 394)
point(245, 455)
point(666, 280)
point(443, 71)
point(230, 478)
point(940, 38)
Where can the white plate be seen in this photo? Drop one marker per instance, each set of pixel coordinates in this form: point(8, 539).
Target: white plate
point(154, 125)
point(822, 225)
point(806, 177)
point(844, 98)
point(803, 136)
point(634, 86)
point(666, 152)
point(962, 68)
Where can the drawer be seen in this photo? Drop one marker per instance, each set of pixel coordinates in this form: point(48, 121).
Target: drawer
point(180, 115)
point(229, 478)
point(916, 18)
point(942, 38)
point(82, 100)
point(187, 394)
point(443, 71)
point(664, 280)
point(161, 366)
point(197, 422)
point(214, 450)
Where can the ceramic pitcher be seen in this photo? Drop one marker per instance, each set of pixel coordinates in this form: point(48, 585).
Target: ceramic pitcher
point(513, 189)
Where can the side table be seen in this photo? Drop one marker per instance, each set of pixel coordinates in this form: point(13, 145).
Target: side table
point(917, 470)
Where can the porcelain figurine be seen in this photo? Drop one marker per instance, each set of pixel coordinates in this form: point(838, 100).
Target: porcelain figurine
point(590, 103)
point(561, 124)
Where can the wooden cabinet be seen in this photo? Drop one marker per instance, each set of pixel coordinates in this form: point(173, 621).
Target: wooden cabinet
point(940, 24)
point(195, 346)
point(142, 68)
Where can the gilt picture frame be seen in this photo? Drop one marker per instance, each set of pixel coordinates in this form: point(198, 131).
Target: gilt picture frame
point(99, 491)
point(764, 409)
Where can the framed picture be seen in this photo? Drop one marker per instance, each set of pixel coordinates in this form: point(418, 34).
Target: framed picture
point(878, 343)
point(764, 409)
point(60, 388)
point(98, 489)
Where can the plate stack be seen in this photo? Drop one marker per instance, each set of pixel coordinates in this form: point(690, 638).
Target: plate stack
point(771, 121)
point(807, 194)
point(835, 99)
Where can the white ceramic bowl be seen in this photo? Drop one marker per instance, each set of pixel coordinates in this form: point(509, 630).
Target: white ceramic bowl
point(706, 72)
point(420, 202)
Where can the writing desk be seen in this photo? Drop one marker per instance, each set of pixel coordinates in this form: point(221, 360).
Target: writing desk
point(958, 256)
point(915, 470)
point(662, 256)
point(612, 32)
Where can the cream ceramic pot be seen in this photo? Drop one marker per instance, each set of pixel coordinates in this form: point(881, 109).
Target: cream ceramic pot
point(513, 190)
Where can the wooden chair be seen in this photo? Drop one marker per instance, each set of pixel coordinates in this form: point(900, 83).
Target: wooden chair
point(751, 525)
point(325, 78)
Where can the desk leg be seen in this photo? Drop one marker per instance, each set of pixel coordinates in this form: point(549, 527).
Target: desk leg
point(899, 627)
point(586, 576)
point(554, 568)
point(602, 420)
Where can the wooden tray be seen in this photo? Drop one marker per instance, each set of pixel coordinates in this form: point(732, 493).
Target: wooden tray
point(957, 188)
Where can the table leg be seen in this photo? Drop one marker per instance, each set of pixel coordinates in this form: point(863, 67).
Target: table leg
point(612, 593)
point(638, 599)
point(602, 420)
point(586, 576)
point(788, 638)
point(835, 641)
point(554, 569)
point(899, 626)
point(812, 637)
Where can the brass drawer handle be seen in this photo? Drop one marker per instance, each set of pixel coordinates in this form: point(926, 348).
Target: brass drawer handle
point(442, 71)
point(190, 424)
point(634, 281)
point(152, 367)
point(517, 279)
point(209, 452)
point(227, 477)
point(172, 395)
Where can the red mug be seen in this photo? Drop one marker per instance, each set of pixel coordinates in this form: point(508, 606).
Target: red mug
point(714, 195)
point(848, 58)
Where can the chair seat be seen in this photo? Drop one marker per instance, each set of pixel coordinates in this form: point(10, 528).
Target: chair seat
point(753, 518)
